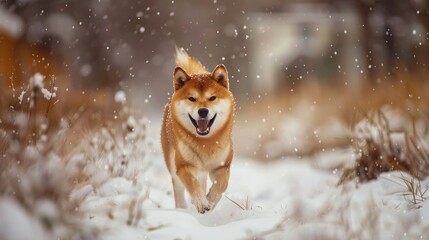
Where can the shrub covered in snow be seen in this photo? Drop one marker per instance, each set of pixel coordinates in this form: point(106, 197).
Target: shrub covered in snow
point(388, 140)
point(48, 189)
point(35, 186)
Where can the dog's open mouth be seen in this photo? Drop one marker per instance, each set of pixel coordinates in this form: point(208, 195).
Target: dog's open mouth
point(203, 125)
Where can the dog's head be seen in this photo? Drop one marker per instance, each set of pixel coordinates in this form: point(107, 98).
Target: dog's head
point(202, 103)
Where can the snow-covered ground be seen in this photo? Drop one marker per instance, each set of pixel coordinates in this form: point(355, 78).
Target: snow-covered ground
point(124, 192)
point(292, 198)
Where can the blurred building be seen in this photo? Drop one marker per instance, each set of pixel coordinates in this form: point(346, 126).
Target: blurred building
point(304, 42)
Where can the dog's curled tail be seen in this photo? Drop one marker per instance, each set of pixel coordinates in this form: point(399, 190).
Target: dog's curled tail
point(189, 64)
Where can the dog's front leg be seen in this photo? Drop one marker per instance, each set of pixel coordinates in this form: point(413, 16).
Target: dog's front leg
point(219, 178)
point(189, 177)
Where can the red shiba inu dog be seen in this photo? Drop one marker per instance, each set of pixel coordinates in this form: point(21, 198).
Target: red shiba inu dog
point(196, 132)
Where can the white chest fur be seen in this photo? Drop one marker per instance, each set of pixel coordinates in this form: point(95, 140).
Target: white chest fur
point(206, 158)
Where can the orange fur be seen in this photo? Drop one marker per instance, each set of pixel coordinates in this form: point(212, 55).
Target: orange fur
point(190, 155)
point(189, 64)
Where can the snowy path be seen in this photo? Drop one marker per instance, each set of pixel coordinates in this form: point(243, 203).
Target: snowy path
point(297, 193)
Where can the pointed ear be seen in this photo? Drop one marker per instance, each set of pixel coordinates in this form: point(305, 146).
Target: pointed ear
point(220, 74)
point(179, 78)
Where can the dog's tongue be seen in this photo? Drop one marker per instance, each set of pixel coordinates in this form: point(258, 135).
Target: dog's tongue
point(203, 125)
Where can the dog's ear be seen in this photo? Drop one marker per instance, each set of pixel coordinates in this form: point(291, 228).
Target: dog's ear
point(220, 75)
point(180, 77)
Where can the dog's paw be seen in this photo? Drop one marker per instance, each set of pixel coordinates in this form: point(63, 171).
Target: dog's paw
point(213, 199)
point(212, 205)
point(202, 205)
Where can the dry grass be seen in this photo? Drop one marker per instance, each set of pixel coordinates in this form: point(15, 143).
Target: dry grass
point(413, 191)
point(380, 149)
point(245, 206)
point(50, 166)
point(316, 116)
point(35, 175)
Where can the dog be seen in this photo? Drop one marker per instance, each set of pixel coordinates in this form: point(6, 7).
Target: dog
point(196, 133)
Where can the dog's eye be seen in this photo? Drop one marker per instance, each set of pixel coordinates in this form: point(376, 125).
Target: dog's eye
point(212, 98)
point(191, 99)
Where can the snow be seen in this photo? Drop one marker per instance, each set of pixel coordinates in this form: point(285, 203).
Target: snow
point(85, 70)
point(120, 97)
point(35, 84)
point(47, 94)
point(37, 80)
point(127, 194)
point(10, 23)
point(21, 96)
point(291, 198)
point(19, 227)
point(124, 188)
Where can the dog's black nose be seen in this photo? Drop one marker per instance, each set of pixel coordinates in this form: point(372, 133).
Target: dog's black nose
point(203, 112)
